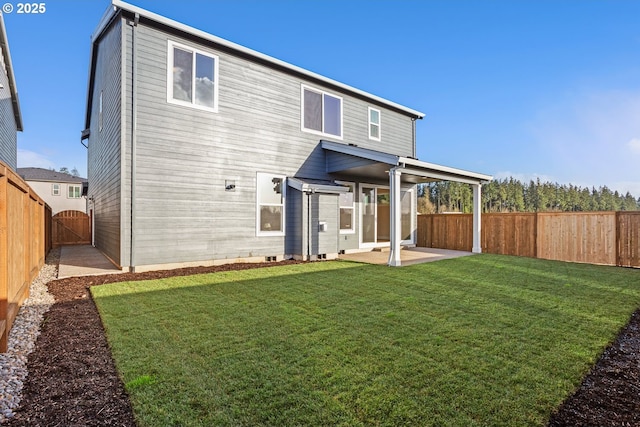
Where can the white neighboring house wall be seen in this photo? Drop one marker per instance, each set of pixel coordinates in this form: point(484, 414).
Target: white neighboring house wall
point(59, 190)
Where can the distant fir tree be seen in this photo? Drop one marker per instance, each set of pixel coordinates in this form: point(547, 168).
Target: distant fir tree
point(511, 195)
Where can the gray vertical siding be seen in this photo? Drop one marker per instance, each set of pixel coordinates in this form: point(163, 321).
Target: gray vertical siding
point(184, 155)
point(8, 127)
point(104, 161)
point(327, 212)
point(294, 223)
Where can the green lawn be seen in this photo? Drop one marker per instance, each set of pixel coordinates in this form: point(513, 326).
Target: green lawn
point(483, 340)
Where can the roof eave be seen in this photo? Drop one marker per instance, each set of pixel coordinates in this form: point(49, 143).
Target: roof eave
point(15, 102)
point(446, 169)
point(118, 4)
point(106, 19)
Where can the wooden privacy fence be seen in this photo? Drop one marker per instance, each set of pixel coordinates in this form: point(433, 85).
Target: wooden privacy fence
point(592, 237)
point(70, 228)
point(22, 245)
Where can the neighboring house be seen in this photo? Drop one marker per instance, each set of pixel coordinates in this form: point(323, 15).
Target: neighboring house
point(61, 191)
point(10, 118)
point(201, 151)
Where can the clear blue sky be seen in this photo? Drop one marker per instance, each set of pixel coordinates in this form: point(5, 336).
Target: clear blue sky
point(547, 89)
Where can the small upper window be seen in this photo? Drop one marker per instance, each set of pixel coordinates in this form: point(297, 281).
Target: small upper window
point(55, 189)
point(100, 115)
point(192, 77)
point(321, 112)
point(374, 124)
point(75, 191)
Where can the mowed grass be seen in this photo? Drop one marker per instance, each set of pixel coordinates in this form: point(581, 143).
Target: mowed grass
point(483, 340)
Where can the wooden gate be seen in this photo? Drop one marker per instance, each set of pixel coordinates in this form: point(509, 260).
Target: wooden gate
point(70, 228)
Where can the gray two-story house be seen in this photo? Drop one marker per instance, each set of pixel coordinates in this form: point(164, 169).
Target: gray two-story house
point(10, 117)
point(201, 151)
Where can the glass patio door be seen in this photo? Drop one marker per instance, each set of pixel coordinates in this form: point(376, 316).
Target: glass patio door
point(369, 214)
point(376, 211)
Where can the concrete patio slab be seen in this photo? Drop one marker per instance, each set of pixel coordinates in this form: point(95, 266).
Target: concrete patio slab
point(84, 260)
point(408, 256)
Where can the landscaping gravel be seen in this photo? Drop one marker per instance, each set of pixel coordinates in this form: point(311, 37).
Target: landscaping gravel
point(23, 335)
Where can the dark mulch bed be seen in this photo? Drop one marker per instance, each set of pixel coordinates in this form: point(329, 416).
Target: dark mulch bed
point(73, 381)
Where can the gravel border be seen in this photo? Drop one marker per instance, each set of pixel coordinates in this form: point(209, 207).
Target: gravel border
point(23, 335)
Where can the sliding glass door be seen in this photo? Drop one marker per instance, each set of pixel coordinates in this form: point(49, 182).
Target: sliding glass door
point(375, 213)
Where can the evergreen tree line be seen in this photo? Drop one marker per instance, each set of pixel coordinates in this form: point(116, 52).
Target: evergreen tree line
point(511, 195)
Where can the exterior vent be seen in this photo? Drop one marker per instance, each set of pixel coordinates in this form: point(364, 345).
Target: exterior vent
point(271, 258)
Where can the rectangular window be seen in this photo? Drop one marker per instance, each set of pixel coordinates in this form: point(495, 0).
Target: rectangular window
point(100, 113)
point(192, 78)
point(55, 189)
point(347, 210)
point(374, 124)
point(322, 112)
point(75, 191)
point(270, 205)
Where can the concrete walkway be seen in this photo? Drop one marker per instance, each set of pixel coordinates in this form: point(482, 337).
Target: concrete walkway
point(84, 260)
point(408, 256)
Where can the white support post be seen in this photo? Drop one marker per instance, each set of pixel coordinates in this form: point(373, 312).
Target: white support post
point(395, 215)
point(477, 218)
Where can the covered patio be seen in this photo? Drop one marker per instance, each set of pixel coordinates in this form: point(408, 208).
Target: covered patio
point(408, 256)
point(351, 160)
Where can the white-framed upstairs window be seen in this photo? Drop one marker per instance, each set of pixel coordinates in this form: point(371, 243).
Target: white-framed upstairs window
point(55, 189)
point(375, 128)
point(347, 204)
point(270, 212)
point(74, 191)
point(192, 78)
point(321, 112)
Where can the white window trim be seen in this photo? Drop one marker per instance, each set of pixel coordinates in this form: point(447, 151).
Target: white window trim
point(352, 230)
point(258, 204)
point(69, 186)
point(322, 92)
point(55, 187)
point(379, 124)
point(171, 44)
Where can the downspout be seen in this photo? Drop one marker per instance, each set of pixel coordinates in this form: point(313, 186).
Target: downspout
point(134, 124)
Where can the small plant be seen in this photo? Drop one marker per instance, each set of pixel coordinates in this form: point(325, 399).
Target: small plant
point(140, 381)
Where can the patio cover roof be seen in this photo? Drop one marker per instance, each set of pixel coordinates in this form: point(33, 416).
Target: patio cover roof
point(343, 159)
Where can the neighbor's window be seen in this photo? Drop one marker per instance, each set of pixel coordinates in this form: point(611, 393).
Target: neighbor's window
point(347, 209)
point(75, 191)
point(270, 206)
point(192, 78)
point(321, 112)
point(374, 124)
point(55, 189)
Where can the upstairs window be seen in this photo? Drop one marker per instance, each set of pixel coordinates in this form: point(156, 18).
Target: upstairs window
point(55, 189)
point(75, 191)
point(321, 112)
point(192, 78)
point(374, 124)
